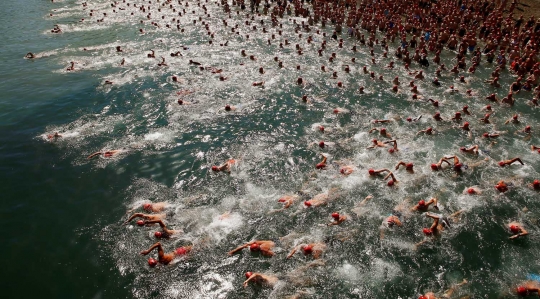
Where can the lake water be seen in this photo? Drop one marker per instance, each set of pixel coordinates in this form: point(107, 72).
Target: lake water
point(62, 213)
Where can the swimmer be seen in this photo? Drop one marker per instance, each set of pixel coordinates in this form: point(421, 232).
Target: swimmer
point(427, 131)
point(313, 249)
point(106, 154)
point(338, 219)
point(71, 67)
point(194, 62)
point(447, 294)
point(509, 162)
point(438, 165)
point(424, 206)
point(535, 185)
point(380, 121)
point(490, 135)
point(288, 200)
point(485, 119)
point(492, 97)
point(225, 167)
point(151, 55)
point(465, 126)
point(376, 143)
point(517, 230)
point(527, 288)
point(535, 148)
point(265, 247)
point(30, 55)
point(260, 279)
point(394, 148)
point(54, 136)
point(471, 150)
point(514, 120)
point(501, 186)
point(408, 166)
point(165, 233)
point(260, 83)
point(438, 226)
point(322, 198)
point(165, 258)
point(472, 190)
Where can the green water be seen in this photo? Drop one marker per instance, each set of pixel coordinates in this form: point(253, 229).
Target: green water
point(62, 214)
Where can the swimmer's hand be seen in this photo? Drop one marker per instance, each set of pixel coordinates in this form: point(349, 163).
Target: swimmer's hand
point(145, 252)
point(436, 207)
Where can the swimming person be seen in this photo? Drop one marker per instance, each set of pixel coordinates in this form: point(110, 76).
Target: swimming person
point(165, 258)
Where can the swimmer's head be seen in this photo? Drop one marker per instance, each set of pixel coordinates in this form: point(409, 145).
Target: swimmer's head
point(471, 191)
point(147, 206)
point(391, 150)
point(254, 247)
point(536, 184)
point(409, 119)
point(248, 274)
point(458, 114)
point(502, 164)
point(340, 84)
point(409, 166)
point(335, 215)
point(515, 117)
point(320, 165)
point(227, 107)
point(321, 128)
point(434, 167)
point(390, 183)
point(371, 171)
point(158, 235)
point(422, 203)
point(466, 124)
point(374, 141)
point(152, 262)
point(383, 131)
point(336, 111)
point(307, 203)
point(427, 231)
point(180, 251)
point(307, 249)
point(485, 135)
point(457, 166)
point(514, 228)
point(522, 291)
point(321, 144)
point(527, 129)
point(180, 102)
point(215, 168)
point(140, 222)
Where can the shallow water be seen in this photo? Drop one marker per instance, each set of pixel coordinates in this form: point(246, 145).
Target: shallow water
point(62, 213)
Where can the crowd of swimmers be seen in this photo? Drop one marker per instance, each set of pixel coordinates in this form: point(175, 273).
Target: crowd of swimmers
point(471, 30)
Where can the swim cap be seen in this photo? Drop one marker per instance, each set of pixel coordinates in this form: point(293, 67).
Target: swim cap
point(427, 231)
point(422, 203)
point(485, 135)
point(371, 171)
point(536, 184)
point(527, 129)
point(488, 107)
point(321, 144)
point(502, 164)
point(336, 111)
point(414, 96)
point(158, 234)
point(152, 262)
point(383, 131)
point(409, 166)
point(254, 247)
point(434, 167)
point(320, 166)
point(307, 203)
point(140, 222)
point(429, 129)
point(248, 274)
point(457, 166)
point(462, 148)
point(437, 114)
point(522, 291)
point(391, 150)
point(458, 114)
point(307, 249)
point(409, 119)
point(515, 116)
point(227, 108)
point(147, 206)
point(374, 141)
point(339, 84)
point(321, 128)
point(514, 228)
point(422, 297)
point(215, 168)
point(335, 215)
point(466, 124)
point(471, 191)
point(180, 102)
point(180, 251)
point(390, 183)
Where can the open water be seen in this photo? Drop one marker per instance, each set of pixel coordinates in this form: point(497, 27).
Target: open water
point(62, 214)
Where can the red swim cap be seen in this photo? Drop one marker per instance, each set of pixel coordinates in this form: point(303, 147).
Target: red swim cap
point(180, 102)
point(339, 84)
point(248, 274)
point(457, 166)
point(152, 262)
point(158, 234)
point(374, 141)
point(429, 129)
point(527, 129)
point(336, 111)
point(488, 107)
point(536, 184)
point(180, 251)
point(307, 203)
point(471, 191)
point(321, 128)
point(434, 167)
point(409, 119)
point(422, 203)
point(227, 108)
point(335, 215)
point(254, 247)
point(515, 117)
point(320, 166)
point(422, 297)
point(147, 206)
point(409, 166)
point(502, 164)
point(307, 249)
point(391, 150)
point(466, 124)
point(427, 231)
point(390, 183)
point(437, 114)
point(140, 222)
point(522, 291)
point(514, 228)
point(485, 135)
point(321, 144)
point(383, 131)
point(458, 114)
point(371, 171)
point(215, 168)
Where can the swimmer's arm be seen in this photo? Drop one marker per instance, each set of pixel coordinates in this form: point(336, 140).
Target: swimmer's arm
point(391, 174)
point(434, 201)
point(399, 164)
point(374, 129)
point(293, 251)
point(436, 217)
point(94, 154)
point(157, 245)
point(136, 215)
point(521, 234)
point(382, 170)
point(363, 202)
point(253, 276)
point(239, 248)
point(162, 225)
